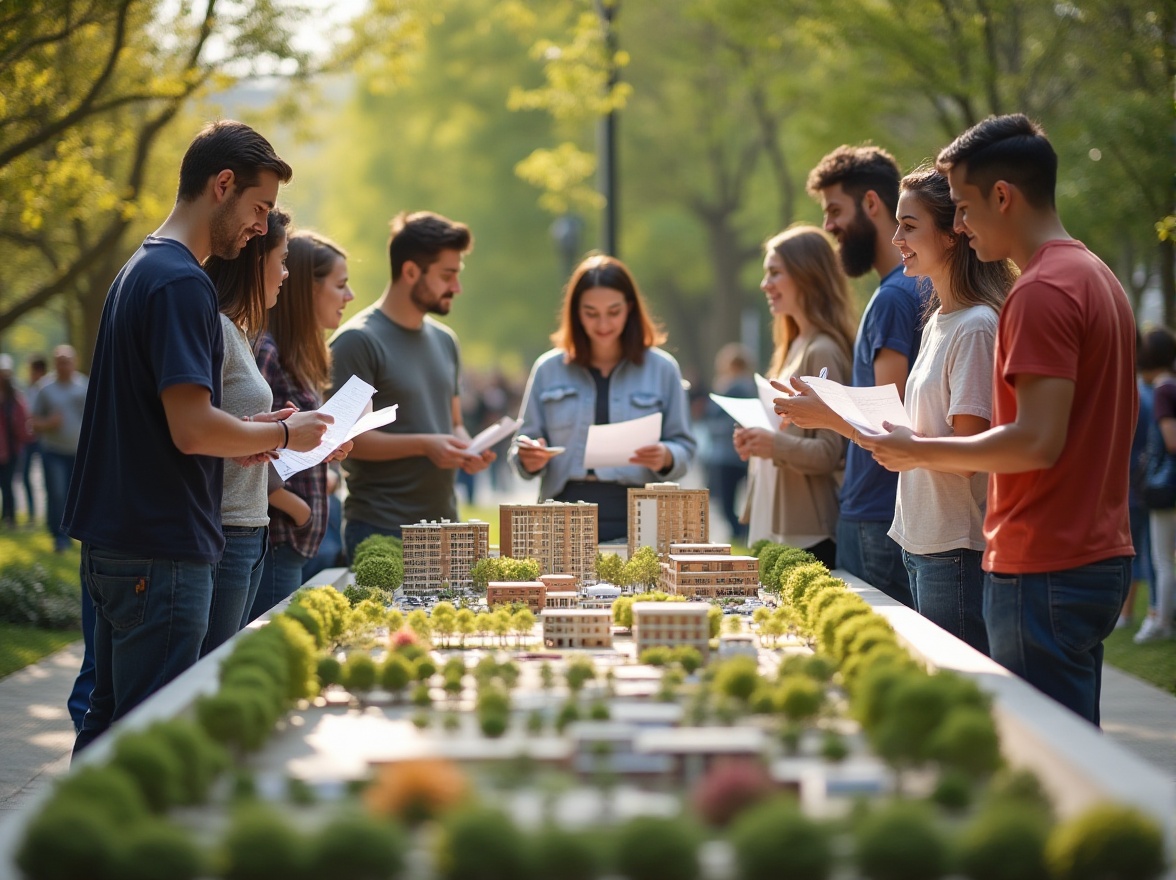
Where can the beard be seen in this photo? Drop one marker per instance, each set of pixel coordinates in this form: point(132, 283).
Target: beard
point(224, 234)
point(857, 244)
point(423, 299)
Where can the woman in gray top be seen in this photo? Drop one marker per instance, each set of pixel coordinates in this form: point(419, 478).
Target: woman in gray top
point(605, 368)
point(247, 287)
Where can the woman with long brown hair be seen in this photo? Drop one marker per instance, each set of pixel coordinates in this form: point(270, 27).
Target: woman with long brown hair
point(294, 359)
point(606, 367)
point(793, 473)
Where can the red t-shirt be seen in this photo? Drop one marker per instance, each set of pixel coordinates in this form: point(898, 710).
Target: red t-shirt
point(1066, 317)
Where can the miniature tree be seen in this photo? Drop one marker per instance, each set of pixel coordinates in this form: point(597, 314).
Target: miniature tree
point(68, 840)
point(377, 545)
point(508, 672)
point(579, 672)
point(738, 678)
point(396, 673)
point(359, 672)
point(500, 624)
point(967, 741)
point(465, 623)
point(201, 760)
point(420, 696)
point(610, 568)
point(900, 842)
point(1022, 788)
point(155, 767)
point(714, 619)
point(833, 747)
point(953, 791)
point(158, 849)
point(622, 611)
point(777, 840)
point(382, 572)
point(108, 790)
point(418, 622)
point(546, 676)
point(424, 669)
point(261, 845)
point(481, 845)
point(483, 625)
point(654, 848)
point(1007, 843)
point(733, 624)
point(561, 855)
point(688, 658)
point(568, 713)
point(727, 789)
point(658, 655)
point(1106, 841)
point(359, 846)
point(643, 569)
point(394, 620)
point(330, 671)
point(444, 621)
point(522, 622)
point(799, 698)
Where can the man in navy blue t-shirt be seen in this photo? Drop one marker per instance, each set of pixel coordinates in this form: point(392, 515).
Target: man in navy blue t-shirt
point(145, 495)
point(858, 191)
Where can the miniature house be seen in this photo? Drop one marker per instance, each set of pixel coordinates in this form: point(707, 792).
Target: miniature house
point(671, 624)
point(531, 593)
point(576, 627)
point(562, 599)
point(704, 577)
point(442, 552)
point(560, 535)
point(662, 514)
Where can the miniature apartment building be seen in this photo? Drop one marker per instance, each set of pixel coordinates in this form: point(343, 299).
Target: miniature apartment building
point(532, 593)
point(562, 599)
point(704, 577)
point(442, 552)
point(671, 624)
point(662, 514)
point(576, 627)
point(560, 535)
point(701, 549)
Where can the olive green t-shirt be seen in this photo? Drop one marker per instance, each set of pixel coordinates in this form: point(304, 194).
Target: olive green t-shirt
point(418, 370)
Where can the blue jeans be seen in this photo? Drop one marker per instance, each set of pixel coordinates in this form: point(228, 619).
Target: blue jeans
point(25, 469)
point(1049, 628)
point(79, 698)
point(235, 581)
point(355, 531)
point(58, 469)
point(866, 551)
point(948, 589)
point(1142, 568)
point(151, 618)
point(281, 575)
point(331, 547)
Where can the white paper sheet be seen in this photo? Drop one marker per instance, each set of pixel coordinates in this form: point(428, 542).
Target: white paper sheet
point(748, 412)
point(864, 408)
point(766, 395)
point(487, 437)
point(613, 445)
point(346, 405)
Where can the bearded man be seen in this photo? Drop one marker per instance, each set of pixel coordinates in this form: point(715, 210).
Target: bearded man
point(406, 471)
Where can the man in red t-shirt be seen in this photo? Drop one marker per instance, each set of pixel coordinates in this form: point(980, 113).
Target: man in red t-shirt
point(1065, 404)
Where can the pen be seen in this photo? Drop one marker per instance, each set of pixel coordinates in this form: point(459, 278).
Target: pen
point(824, 372)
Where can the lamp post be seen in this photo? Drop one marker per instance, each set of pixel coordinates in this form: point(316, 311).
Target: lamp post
point(565, 231)
point(606, 135)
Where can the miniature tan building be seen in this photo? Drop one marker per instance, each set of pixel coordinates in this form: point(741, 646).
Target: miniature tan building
point(533, 593)
point(560, 535)
point(701, 549)
point(442, 552)
point(662, 514)
point(577, 627)
point(562, 599)
point(561, 583)
point(698, 576)
point(671, 624)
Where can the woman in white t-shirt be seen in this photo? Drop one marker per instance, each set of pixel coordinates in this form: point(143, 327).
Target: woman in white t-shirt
point(939, 516)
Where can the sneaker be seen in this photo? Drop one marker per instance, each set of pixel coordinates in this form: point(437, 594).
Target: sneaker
point(1151, 631)
point(1124, 622)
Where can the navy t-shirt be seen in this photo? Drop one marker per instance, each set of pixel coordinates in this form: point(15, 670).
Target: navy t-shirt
point(132, 490)
point(891, 320)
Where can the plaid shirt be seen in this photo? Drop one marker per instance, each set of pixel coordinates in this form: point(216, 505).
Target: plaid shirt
point(311, 484)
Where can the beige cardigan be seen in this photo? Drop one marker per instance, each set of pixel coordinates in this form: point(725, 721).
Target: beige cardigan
point(809, 463)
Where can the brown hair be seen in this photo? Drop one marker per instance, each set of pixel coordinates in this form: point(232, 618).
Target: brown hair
point(1012, 148)
point(973, 283)
point(858, 170)
point(240, 282)
point(421, 237)
point(640, 331)
point(302, 351)
point(821, 286)
point(232, 146)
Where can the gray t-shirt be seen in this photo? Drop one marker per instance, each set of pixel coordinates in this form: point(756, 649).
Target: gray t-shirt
point(418, 370)
point(68, 399)
point(244, 392)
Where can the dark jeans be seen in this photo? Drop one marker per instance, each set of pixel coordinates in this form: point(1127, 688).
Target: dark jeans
point(235, 582)
point(25, 469)
point(1049, 628)
point(79, 698)
point(724, 480)
point(151, 618)
point(866, 551)
point(281, 575)
point(355, 531)
point(7, 496)
point(58, 469)
point(1141, 567)
point(948, 589)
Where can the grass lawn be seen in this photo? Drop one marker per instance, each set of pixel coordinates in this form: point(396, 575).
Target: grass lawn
point(22, 645)
point(1154, 662)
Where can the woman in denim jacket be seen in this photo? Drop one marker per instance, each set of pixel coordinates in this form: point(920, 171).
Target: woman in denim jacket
point(605, 368)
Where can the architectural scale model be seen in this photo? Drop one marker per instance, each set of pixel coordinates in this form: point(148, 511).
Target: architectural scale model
point(576, 627)
point(671, 624)
point(532, 593)
point(662, 514)
point(708, 571)
point(560, 535)
point(442, 552)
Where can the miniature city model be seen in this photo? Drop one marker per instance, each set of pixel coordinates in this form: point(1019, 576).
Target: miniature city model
point(671, 624)
point(442, 552)
point(662, 514)
point(531, 593)
point(559, 535)
point(708, 571)
point(576, 627)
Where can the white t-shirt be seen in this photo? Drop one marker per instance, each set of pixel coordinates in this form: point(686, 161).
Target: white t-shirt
point(952, 376)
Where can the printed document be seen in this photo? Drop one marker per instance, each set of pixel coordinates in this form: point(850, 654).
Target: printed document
point(864, 408)
point(613, 445)
point(347, 405)
point(491, 436)
point(748, 412)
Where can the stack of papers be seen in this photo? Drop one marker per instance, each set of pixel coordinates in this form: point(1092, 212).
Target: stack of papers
point(864, 408)
point(493, 435)
point(613, 445)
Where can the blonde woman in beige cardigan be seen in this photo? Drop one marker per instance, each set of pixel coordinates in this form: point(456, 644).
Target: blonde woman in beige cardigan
point(794, 474)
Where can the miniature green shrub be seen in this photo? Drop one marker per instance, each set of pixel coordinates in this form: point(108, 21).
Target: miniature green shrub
point(420, 696)
point(758, 547)
point(424, 668)
point(915, 707)
point(833, 747)
point(953, 791)
point(782, 566)
point(201, 759)
point(257, 680)
point(288, 639)
point(1005, 843)
point(261, 845)
point(257, 650)
point(599, 712)
point(359, 672)
point(658, 655)
point(834, 615)
point(776, 840)
point(396, 673)
point(377, 545)
point(357, 595)
point(331, 605)
point(562, 855)
point(330, 671)
point(310, 620)
point(967, 741)
point(817, 604)
point(359, 847)
point(157, 850)
point(493, 724)
point(568, 713)
point(737, 677)
point(109, 790)
point(68, 842)
point(900, 842)
point(300, 792)
point(817, 588)
point(796, 579)
point(767, 558)
point(799, 698)
point(653, 848)
point(579, 672)
point(481, 844)
point(688, 658)
point(1106, 842)
point(154, 767)
point(859, 633)
point(881, 654)
point(380, 572)
point(236, 716)
point(1019, 787)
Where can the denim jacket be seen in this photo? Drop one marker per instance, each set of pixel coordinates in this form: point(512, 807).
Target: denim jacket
point(560, 403)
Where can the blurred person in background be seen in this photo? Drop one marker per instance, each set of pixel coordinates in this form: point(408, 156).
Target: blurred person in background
point(725, 470)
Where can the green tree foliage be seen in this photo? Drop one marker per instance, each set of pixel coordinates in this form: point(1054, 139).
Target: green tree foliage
point(609, 568)
point(502, 568)
point(643, 569)
point(1109, 840)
